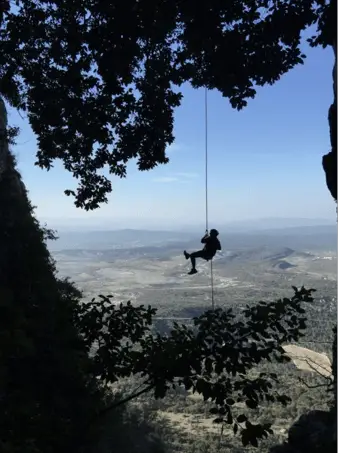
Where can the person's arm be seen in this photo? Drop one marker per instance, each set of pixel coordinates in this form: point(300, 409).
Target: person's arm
point(219, 247)
point(205, 238)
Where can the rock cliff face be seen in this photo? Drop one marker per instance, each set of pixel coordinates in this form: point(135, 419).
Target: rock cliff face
point(3, 135)
point(26, 265)
point(327, 437)
point(39, 345)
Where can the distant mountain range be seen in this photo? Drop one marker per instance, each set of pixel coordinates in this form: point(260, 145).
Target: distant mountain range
point(92, 224)
point(296, 237)
point(116, 239)
point(273, 223)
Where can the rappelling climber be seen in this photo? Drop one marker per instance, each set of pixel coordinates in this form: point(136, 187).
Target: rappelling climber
point(212, 244)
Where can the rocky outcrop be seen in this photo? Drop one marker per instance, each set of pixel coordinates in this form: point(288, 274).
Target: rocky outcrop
point(314, 432)
point(330, 159)
point(5, 156)
point(330, 168)
point(3, 137)
point(334, 370)
point(40, 344)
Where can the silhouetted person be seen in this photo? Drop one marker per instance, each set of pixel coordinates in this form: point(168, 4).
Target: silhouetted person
point(212, 244)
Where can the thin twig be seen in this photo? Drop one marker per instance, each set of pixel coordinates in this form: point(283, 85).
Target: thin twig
point(312, 386)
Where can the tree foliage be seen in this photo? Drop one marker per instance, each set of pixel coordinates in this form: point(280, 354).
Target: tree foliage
point(100, 80)
point(217, 358)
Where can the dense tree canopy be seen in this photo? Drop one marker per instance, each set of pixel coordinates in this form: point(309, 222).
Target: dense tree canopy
point(100, 80)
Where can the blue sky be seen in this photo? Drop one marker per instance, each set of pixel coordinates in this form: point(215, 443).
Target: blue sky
point(264, 161)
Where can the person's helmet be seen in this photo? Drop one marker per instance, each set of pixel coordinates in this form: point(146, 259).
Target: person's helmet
point(214, 232)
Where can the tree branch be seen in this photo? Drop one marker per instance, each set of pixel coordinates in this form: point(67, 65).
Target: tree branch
point(124, 401)
point(312, 386)
point(313, 364)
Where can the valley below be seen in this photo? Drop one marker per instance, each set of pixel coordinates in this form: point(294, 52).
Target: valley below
point(250, 268)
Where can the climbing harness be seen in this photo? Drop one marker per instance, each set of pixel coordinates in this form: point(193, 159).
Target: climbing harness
point(206, 189)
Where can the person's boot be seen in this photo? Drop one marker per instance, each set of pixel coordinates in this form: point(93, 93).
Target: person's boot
point(192, 272)
point(187, 256)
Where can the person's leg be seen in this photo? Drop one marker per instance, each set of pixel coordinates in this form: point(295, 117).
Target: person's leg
point(193, 256)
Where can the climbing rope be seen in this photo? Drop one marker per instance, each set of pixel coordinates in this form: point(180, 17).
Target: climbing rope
point(212, 286)
point(206, 159)
point(206, 189)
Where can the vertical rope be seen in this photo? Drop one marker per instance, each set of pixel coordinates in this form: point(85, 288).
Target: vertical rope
point(206, 189)
point(212, 286)
point(206, 160)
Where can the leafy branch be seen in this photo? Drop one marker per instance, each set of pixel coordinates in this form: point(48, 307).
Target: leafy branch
point(215, 358)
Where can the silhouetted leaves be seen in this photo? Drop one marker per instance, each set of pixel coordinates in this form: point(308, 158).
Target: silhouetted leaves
point(218, 420)
point(99, 80)
point(251, 433)
point(241, 418)
point(283, 399)
point(213, 359)
point(252, 404)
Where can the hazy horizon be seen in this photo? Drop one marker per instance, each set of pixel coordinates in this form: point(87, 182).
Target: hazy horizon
point(97, 224)
point(292, 236)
